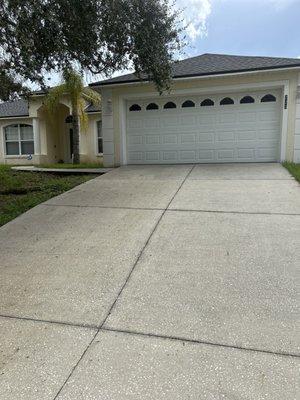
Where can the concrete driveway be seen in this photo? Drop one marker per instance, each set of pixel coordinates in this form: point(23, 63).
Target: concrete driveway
point(155, 282)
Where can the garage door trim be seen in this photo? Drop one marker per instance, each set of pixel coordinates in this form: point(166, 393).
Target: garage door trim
point(283, 85)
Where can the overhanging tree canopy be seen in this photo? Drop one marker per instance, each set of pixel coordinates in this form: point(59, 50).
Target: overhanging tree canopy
point(100, 36)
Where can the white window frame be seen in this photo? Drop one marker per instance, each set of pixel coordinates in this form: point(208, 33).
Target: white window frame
point(19, 140)
point(99, 137)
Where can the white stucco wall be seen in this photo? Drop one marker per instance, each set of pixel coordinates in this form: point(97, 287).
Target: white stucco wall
point(51, 135)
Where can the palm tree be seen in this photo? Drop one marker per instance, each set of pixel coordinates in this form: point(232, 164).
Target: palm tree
point(80, 96)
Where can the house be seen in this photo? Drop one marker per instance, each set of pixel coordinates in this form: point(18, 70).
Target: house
point(28, 135)
point(221, 108)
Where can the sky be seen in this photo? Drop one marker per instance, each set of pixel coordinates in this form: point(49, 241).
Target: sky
point(239, 27)
point(243, 27)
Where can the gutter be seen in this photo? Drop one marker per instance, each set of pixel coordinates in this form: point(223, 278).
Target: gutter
point(15, 116)
point(199, 76)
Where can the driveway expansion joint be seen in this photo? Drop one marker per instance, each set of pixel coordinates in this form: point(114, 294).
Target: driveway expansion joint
point(123, 286)
point(232, 212)
point(196, 341)
point(105, 207)
point(54, 322)
point(145, 245)
point(75, 366)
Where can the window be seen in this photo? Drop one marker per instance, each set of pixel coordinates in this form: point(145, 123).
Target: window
point(19, 139)
point(247, 99)
point(135, 107)
point(188, 103)
point(268, 98)
point(152, 106)
point(207, 103)
point(99, 137)
point(226, 101)
point(170, 104)
point(69, 119)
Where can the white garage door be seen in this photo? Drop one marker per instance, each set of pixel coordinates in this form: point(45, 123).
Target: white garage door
point(244, 127)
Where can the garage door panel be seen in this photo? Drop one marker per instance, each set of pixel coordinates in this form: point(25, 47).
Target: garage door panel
point(169, 139)
point(219, 133)
point(268, 134)
point(206, 137)
point(152, 156)
point(264, 153)
point(188, 120)
point(227, 118)
point(169, 121)
point(247, 116)
point(188, 138)
point(135, 139)
point(152, 139)
point(228, 136)
point(151, 123)
point(188, 155)
point(269, 116)
point(135, 156)
point(206, 119)
point(170, 156)
point(225, 128)
point(206, 155)
point(225, 154)
point(247, 154)
point(246, 135)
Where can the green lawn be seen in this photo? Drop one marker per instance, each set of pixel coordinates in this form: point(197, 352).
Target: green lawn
point(20, 191)
point(68, 166)
point(293, 168)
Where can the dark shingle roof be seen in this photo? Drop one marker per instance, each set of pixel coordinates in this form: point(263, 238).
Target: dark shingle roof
point(91, 108)
point(213, 64)
point(18, 108)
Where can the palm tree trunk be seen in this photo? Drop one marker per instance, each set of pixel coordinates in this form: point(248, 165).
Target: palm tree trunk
point(75, 150)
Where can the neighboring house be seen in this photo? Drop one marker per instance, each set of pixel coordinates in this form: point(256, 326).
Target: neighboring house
point(220, 109)
point(30, 136)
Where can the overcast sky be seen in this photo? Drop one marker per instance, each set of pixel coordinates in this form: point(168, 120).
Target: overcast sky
point(242, 27)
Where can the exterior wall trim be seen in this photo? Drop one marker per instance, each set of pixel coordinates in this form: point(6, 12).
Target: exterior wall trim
point(296, 155)
point(16, 117)
point(283, 84)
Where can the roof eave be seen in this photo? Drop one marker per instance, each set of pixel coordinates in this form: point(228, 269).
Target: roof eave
point(203, 75)
point(14, 116)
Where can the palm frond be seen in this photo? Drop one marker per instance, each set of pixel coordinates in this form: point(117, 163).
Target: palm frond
point(91, 96)
point(74, 85)
point(53, 98)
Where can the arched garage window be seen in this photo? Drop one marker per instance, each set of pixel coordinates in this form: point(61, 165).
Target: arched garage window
point(207, 103)
point(170, 104)
point(152, 106)
point(19, 139)
point(247, 100)
point(188, 103)
point(268, 98)
point(226, 101)
point(135, 107)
